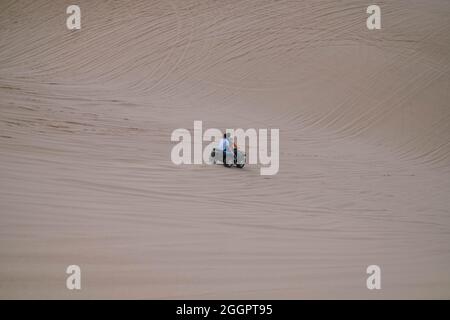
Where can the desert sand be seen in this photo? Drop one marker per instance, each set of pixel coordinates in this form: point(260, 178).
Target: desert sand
point(86, 176)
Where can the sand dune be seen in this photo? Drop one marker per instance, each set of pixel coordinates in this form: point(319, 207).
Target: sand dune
point(86, 175)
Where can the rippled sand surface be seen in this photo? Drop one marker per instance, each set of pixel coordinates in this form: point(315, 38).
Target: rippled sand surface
point(85, 170)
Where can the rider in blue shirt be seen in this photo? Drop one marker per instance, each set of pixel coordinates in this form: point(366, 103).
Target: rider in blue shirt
point(224, 145)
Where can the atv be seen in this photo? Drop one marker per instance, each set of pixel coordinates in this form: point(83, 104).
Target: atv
point(231, 159)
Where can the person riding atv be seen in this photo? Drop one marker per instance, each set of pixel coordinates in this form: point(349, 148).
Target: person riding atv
point(228, 155)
